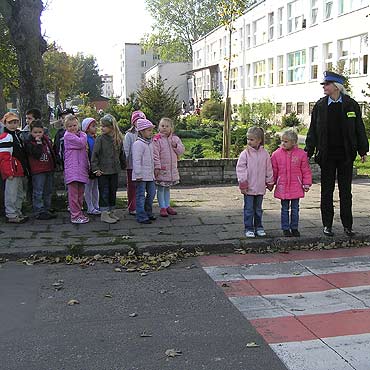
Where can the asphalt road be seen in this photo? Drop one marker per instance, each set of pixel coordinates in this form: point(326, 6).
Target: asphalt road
point(179, 308)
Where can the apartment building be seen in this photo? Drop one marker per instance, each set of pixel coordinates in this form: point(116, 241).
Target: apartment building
point(281, 49)
point(134, 61)
point(107, 86)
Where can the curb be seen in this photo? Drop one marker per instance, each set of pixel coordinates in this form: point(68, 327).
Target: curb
point(256, 245)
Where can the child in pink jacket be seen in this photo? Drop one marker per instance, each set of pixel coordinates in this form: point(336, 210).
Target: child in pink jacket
point(167, 148)
point(76, 167)
point(292, 178)
point(254, 174)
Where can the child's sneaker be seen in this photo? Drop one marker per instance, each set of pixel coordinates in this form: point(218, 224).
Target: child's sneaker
point(163, 212)
point(287, 233)
point(113, 215)
point(296, 233)
point(94, 212)
point(250, 234)
point(15, 220)
point(171, 211)
point(261, 232)
point(80, 220)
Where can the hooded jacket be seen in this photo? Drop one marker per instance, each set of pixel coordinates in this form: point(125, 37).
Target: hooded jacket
point(166, 156)
point(292, 173)
point(142, 160)
point(254, 170)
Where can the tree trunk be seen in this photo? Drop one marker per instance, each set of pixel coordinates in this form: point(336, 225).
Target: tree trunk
point(2, 98)
point(23, 21)
point(226, 139)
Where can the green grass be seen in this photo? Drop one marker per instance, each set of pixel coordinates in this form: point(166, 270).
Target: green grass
point(209, 151)
point(362, 168)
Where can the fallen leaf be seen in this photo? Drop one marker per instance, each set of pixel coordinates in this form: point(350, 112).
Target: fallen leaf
point(145, 335)
point(130, 270)
point(108, 295)
point(73, 302)
point(165, 263)
point(143, 274)
point(192, 266)
point(297, 273)
point(126, 237)
point(27, 263)
point(134, 314)
point(117, 269)
point(225, 285)
point(252, 345)
point(173, 352)
point(299, 296)
point(297, 309)
point(163, 291)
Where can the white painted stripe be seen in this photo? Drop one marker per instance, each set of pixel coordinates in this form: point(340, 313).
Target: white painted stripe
point(309, 303)
point(310, 355)
point(354, 348)
point(288, 269)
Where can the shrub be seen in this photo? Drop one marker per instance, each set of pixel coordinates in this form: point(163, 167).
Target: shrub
point(213, 110)
point(196, 151)
point(122, 113)
point(272, 142)
point(366, 120)
point(217, 142)
point(290, 120)
point(201, 133)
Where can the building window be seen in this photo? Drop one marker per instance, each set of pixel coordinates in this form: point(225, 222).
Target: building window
point(328, 9)
point(280, 22)
point(224, 45)
point(278, 108)
point(314, 60)
point(314, 11)
point(241, 38)
point(352, 54)
point(296, 66)
point(295, 16)
point(234, 79)
point(220, 48)
point(248, 35)
point(271, 26)
point(259, 32)
point(328, 56)
point(288, 108)
point(143, 63)
point(198, 58)
point(259, 76)
point(345, 6)
point(300, 108)
point(248, 75)
point(271, 71)
point(310, 107)
point(280, 69)
point(241, 74)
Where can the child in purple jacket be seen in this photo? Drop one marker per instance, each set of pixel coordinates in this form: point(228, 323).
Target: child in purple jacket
point(76, 167)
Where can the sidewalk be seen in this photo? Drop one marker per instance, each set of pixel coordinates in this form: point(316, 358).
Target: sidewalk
point(209, 218)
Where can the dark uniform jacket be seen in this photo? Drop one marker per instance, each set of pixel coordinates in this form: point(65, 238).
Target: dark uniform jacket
point(355, 139)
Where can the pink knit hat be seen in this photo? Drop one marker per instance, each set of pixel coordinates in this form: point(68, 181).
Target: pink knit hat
point(136, 115)
point(142, 124)
point(86, 123)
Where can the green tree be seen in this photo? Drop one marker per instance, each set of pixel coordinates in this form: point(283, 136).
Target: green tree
point(8, 66)
point(59, 75)
point(86, 79)
point(178, 23)
point(229, 11)
point(157, 101)
point(341, 69)
point(22, 18)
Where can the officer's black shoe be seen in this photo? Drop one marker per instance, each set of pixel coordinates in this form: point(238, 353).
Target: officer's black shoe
point(328, 231)
point(349, 232)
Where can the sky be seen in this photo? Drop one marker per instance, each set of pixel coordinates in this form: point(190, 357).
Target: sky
point(95, 27)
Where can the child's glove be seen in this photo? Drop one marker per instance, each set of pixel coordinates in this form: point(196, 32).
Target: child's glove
point(243, 186)
point(306, 188)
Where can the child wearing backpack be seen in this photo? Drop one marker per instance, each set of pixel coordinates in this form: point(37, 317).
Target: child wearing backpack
point(89, 126)
point(76, 167)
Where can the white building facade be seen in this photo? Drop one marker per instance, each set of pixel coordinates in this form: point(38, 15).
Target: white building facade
point(174, 75)
point(134, 61)
point(281, 49)
point(107, 86)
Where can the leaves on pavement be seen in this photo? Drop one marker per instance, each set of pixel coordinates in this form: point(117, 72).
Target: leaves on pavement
point(173, 352)
point(72, 302)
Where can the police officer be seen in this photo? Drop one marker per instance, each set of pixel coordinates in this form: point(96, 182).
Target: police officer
point(335, 136)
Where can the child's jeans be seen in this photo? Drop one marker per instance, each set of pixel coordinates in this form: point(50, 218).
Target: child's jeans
point(42, 188)
point(76, 198)
point(13, 196)
point(253, 212)
point(108, 185)
point(131, 191)
point(144, 203)
point(294, 214)
point(92, 195)
point(163, 196)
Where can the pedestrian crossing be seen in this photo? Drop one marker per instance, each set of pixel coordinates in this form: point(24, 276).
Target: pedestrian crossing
point(311, 307)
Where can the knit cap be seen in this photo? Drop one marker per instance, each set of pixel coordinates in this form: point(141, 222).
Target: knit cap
point(143, 124)
point(136, 115)
point(86, 123)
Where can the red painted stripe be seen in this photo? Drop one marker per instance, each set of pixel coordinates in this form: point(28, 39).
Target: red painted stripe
point(298, 284)
point(240, 259)
point(308, 327)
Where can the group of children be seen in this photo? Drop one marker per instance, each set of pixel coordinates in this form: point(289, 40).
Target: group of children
point(287, 170)
point(91, 166)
